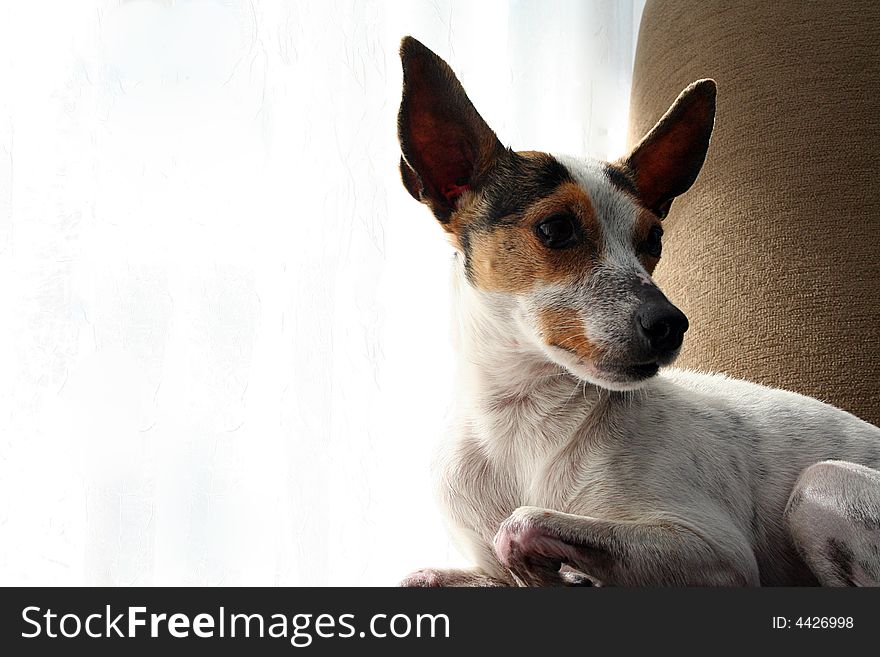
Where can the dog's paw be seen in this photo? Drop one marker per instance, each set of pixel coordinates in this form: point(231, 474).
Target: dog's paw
point(531, 554)
point(424, 578)
point(440, 577)
point(530, 547)
point(524, 534)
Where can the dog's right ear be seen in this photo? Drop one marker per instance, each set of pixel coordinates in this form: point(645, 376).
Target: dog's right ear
point(447, 147)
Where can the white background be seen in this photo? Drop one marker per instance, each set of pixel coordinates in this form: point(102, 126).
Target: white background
point(223, 322)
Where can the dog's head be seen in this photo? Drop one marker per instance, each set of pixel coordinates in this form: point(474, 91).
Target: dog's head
point(571, 243)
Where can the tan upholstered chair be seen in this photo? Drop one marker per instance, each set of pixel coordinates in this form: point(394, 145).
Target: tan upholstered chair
point(774, 254)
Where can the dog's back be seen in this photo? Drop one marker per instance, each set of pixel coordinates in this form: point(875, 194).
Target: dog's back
point(738, 446)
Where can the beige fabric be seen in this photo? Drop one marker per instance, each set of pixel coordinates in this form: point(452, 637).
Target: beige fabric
point(774, 254)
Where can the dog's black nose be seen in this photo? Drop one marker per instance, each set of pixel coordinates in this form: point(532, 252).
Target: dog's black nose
point(663, 325)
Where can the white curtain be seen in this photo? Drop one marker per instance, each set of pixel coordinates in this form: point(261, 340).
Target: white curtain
point(224, 353)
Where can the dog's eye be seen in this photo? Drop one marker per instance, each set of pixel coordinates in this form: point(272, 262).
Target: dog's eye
point(557, 232)
point(653, 246)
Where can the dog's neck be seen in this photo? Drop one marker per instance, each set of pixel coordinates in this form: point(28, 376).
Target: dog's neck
point(508, 389)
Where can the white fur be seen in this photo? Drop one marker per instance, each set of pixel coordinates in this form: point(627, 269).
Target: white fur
point(616, 211)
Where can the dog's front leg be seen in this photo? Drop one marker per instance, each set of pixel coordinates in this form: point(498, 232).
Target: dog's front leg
point(533, 544)
point(441, 577)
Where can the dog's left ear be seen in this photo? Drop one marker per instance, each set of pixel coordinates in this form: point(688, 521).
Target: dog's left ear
point(665, 163)
point(447, 146)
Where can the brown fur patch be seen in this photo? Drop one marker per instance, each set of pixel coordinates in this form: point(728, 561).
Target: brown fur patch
point(508, 256)
point(563, 328)
point(466, 216)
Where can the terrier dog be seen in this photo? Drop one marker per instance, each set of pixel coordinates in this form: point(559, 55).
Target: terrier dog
point(574, 459)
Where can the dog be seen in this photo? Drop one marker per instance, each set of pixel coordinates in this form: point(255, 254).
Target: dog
point(573, 459)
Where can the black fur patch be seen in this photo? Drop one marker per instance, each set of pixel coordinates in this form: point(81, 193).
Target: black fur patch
point(518, 181)
point(622, 179)
point(840, 557)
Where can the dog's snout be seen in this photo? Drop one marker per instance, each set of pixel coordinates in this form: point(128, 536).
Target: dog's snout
point(663, 326)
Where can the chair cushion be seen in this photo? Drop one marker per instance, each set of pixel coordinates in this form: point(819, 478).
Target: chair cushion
point(774, 254)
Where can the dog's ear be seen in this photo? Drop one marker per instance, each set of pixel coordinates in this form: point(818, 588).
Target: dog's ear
point(447, 147)
point(665, 163)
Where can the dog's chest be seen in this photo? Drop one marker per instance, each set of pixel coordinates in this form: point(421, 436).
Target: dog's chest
point(518, 455)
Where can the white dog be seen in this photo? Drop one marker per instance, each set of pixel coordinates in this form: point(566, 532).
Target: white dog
point(573, 460)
